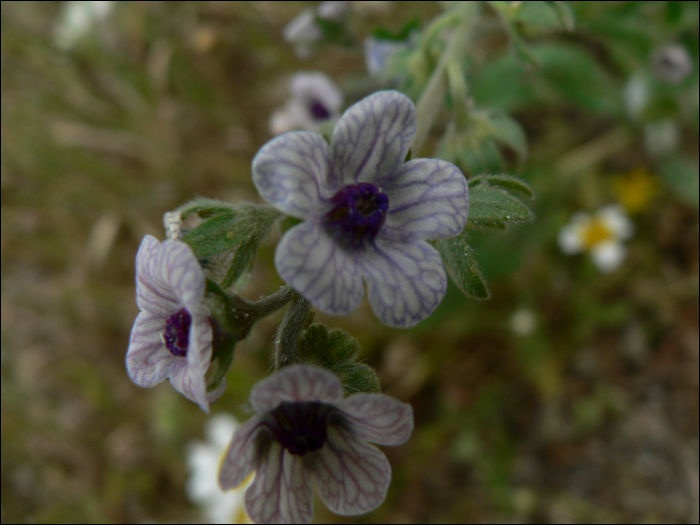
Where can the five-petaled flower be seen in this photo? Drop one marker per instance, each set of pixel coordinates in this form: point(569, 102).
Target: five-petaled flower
point(172, 336)
point(315, 102)
point(306, 433)
point(601, 234)
point(366, 214)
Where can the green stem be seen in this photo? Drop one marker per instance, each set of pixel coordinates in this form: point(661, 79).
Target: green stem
point(433, 97)
point(289, 331)
point(273, 302)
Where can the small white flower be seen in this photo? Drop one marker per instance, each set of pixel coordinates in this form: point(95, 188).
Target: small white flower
point(77, 19)
point(204, 460)
point(671, 64)
point(601, 235)
point(315, 101)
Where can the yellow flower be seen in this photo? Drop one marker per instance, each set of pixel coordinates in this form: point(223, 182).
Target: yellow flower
point(600, 234)
point(636, 189)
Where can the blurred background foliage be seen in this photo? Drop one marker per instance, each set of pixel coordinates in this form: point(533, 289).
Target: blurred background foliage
point(570, 396)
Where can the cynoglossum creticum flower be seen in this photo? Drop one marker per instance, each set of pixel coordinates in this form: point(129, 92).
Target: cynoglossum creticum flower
point(600, 234)
point(304, 433)
point(367, 214)
point(304, 31)
point(315, 102)
point(172, 336)
point(204, 460)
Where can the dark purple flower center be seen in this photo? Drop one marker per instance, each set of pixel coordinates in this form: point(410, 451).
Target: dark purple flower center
point(357, 215)
point(318, 110)
point(299, 427)
point(177, 332)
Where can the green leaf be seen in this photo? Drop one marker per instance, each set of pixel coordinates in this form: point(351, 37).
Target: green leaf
point(461, 266)
point(402, 34)
point(338, 352)
point(507, 130)
point(540, 14)
point(504, 181)
point(490, 206)
point(566, 14)
point(228, 239)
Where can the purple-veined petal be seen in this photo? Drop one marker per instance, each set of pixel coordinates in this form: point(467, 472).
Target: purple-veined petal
point(281, 491)
point(148, 361)
point(179, 270)
point(188, 379)
point(296, 383)
point(239, 460)
point(351, 476)
point(378, 418)
point(313, 264)
point(291, 171)
point(428, 199)
point(405, 282)
point(152, 294)
point(372, 138)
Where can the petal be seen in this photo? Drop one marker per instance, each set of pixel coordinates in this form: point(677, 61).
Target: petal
point(311, 262)
point(281, 491)
point(378, 418)
point(179, 270)
point(405, 281)
point(372, 138)
point(570, 239)
point(309, 87)
point(152, 294)
point(296, 383)
point(428, 199)
point(608, 256)
point(188, 379)
point(351, 476)
point(239, 460)
point(291, 172)
point(615, 218)
point(148, 361)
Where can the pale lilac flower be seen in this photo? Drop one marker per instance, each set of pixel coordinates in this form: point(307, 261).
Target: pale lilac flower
point(172, 336)
point(671, 63)
point(204, 460)
point(303, 434)
point(601, 235)
point(304, 32)
point(77, 19)
point(315, 102)
point(367, 214)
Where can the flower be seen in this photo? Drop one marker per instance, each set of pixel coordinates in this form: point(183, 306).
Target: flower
point(315, 102)
point(204, 460)
point(304, 31)
point(172, 336)
point(367, 214)
point(78, 18)
point(600, 234)
point(636, 190)
point(304, 432)
point(671, 63)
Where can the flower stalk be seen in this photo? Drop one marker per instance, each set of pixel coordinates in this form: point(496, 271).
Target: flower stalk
point(432, 99)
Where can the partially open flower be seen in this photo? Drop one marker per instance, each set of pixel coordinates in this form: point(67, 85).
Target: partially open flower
point(671, 64)
point(601, 235)
point(304, 31)
point(315, 102)
point(367, 212)
point(172, 336)
point(303, 434)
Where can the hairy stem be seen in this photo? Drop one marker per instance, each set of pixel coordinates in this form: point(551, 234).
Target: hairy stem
point(433, 97)
point(289, 331)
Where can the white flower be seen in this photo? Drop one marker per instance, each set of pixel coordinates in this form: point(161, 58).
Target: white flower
point(204, 459)
point(523, 322)
point(77, 19)
point(601, 235)
point(315, 101)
